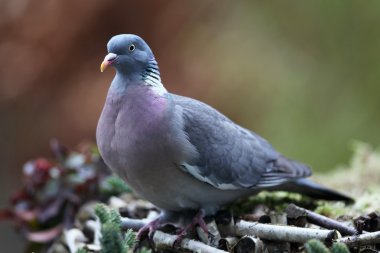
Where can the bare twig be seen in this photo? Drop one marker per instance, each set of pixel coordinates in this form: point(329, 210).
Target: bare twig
point(134, 224)
point(164, 241)
point(361, 240)
point(284, 233)
point(294, 211)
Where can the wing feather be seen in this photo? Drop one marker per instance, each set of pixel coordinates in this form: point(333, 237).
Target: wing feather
point(230, 156)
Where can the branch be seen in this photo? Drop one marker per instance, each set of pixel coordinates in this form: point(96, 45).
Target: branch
point(284, 233)
point(134, 224)
point(361, 240)
point(164, 241)
point(294, 211)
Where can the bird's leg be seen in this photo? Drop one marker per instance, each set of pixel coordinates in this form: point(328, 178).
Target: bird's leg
point(197, 220)
point(148, 229)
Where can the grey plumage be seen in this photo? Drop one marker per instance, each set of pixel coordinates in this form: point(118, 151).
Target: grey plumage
point(232, 157)
point(180, 153)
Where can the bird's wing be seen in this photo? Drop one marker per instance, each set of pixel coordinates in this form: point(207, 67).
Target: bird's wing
point(230, 156)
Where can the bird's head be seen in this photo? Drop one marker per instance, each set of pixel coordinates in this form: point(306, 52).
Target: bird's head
point(128, 53)
point(132, 58)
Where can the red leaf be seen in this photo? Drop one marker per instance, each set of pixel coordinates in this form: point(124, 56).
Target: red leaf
point(42, 164)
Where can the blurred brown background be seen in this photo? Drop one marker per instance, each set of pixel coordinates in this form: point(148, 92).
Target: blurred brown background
point(304, 74)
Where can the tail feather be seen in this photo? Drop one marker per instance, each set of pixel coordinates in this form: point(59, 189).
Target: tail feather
point(309, 188)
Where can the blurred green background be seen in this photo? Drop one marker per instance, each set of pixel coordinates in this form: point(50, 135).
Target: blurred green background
point(303, 74)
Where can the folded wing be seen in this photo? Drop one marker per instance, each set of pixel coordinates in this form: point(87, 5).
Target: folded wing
point(230, 156)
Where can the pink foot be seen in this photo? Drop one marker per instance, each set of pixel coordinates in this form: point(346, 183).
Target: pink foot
point(197, 220)
point(148, 230)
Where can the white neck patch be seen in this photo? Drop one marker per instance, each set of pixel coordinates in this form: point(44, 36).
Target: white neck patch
point(151, 77)
point(157, 88)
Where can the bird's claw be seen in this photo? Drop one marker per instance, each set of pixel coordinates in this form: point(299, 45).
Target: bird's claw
point(179, 238)
point(147, 231)
point(211, 238)
point(198, 220)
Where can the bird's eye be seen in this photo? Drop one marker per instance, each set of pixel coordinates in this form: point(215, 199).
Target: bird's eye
point(132, 48)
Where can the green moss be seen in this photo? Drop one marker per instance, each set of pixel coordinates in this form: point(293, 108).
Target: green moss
point(113, 240)
point(339, 248)
point(277, 201)
point(114, 185)
point(331, 209)
point(102, 212)
point(315, 246)
point(81, 251)
point(358, 179)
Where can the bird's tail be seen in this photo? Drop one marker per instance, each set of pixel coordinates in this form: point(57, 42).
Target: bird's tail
point(309, 188)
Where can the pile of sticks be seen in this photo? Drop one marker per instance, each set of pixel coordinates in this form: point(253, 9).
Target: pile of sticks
point(273, 232)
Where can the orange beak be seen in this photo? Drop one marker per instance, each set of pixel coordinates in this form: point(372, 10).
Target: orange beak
point(108, 60)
